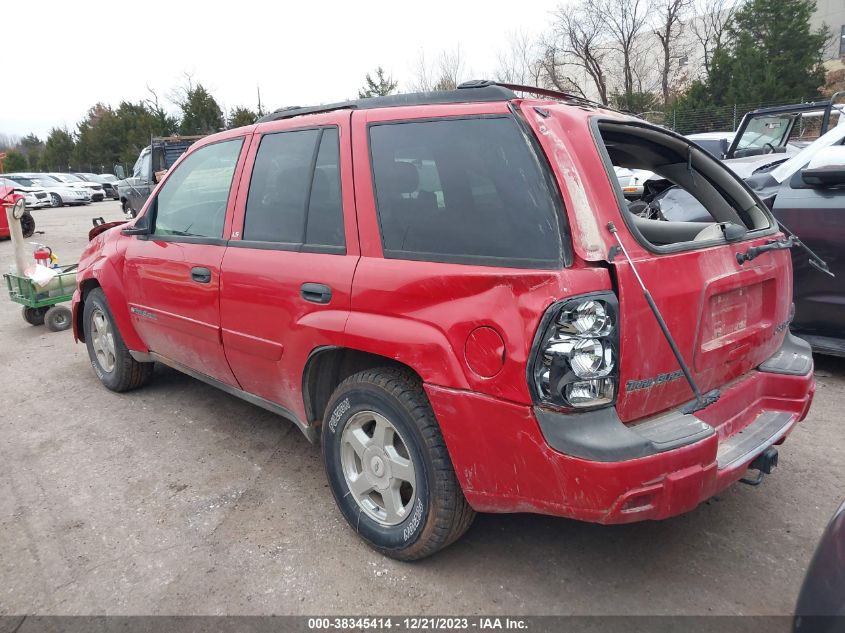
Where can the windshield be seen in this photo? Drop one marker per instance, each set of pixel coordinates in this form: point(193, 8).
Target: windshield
point(68, 178)
point(26, 182)
point(789, 167)
point(767, 130)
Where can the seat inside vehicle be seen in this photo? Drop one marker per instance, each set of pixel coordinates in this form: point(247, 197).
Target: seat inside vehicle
point(697, 193)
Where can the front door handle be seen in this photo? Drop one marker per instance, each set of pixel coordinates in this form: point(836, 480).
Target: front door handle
point(200, 275)
point(315, 293)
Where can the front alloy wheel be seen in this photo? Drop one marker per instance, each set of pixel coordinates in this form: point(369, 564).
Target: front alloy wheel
point(102, 340)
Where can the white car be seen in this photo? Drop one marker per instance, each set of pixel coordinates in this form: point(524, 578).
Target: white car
point(94, 188)
point(58, 192)
point(35, 197)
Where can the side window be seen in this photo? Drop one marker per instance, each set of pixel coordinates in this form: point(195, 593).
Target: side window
point(136, 169)
point(294, 193)
point(193, 200)
point(464, 191)
point(146, 167)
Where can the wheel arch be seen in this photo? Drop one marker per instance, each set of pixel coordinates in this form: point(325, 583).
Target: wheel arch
point(328, 366)
point(106, 278)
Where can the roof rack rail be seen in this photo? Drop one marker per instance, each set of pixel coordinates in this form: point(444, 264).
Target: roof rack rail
point(485, 92)
point(474, 91)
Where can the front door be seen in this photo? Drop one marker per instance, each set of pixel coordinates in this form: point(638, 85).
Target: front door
point(172, 276)
point(287, 274)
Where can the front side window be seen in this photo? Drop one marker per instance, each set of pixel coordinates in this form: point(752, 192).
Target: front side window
point(294, 193)
point(464, 191)
point(193, 200)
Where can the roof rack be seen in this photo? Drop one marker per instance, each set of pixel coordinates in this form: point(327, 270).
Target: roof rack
point(485, 92)
point(475, 91)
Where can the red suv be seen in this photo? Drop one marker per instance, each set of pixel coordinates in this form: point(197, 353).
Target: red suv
point(450, 291)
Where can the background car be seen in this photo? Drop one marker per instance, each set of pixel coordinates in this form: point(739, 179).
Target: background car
point(58, 191)
point(35, 197)
point(95, 188)
point(106, 180)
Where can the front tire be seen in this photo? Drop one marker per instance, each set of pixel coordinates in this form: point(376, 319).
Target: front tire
point(55, 200)
point(128, 210)
point(109, 356)
point(388, 467)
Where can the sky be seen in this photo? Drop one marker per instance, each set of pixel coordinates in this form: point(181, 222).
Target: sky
point(298, 53)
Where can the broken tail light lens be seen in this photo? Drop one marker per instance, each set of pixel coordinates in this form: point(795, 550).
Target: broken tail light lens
point(575, 355)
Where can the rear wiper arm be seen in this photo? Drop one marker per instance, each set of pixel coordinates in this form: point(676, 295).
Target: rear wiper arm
point(793, 240)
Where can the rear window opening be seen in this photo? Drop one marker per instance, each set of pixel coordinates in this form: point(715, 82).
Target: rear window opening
point(683, 197)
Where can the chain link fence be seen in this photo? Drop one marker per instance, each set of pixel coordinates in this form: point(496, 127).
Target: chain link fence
point(724, 118)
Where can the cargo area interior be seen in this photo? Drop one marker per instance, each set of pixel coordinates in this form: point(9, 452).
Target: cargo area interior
point(690, 198)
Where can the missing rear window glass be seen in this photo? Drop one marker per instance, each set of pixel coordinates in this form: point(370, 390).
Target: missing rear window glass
point(674, 192)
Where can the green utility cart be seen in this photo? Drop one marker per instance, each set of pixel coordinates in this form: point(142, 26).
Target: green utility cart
point(42, 306)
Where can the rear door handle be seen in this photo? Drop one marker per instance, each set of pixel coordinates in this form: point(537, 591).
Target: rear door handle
point(316, 293)
point(201, 275)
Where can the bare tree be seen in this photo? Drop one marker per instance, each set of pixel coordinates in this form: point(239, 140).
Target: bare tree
point(671, 17)
point(451, 69)
point(579, 39)
point(521, 62)
point(625, 22)
point(711, 26)
point(446, 74)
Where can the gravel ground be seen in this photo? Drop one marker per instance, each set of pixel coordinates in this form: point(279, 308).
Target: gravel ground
point(180, 499)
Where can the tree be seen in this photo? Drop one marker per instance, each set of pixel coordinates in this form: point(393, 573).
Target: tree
point(200, 112)
point(579, 39)
point(58, 150)
point(381, 86)
point(710, 28)
point(241, 116)
point(624, 23)
point(521, 62)
point(32, 147)
point(447, 74)
point(14, 161)
point(672, 13)
point(771, 54)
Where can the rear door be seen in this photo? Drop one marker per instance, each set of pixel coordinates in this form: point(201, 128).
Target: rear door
point(287, 274)
point(726, 317)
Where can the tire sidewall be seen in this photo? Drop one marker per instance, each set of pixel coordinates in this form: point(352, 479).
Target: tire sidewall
point(96, 299)
point(344, 405)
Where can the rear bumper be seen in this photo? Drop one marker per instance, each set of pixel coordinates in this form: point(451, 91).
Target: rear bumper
point(508, 457)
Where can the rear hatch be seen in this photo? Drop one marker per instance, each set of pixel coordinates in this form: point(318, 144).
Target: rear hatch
point(725, 317)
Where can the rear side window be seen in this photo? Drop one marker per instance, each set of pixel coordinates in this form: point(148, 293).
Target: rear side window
point(464, 191)
point(294, 195)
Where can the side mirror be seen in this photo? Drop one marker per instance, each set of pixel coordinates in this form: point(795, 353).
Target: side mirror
point(118, 171)
point(141, 227)
point(826, 168)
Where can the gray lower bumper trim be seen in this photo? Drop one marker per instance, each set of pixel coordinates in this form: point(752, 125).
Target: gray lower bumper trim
point(767, 429)
point(600, 435)
point(795, 357)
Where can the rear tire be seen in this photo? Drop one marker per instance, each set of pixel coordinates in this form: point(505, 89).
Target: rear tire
point(110, 358)
point(34, 316)
point(379, 433)
point(58, 318)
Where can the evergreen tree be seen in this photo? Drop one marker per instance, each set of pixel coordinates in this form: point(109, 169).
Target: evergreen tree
point(200, 112)
point(58, 150)
point(241, 116)
point(771, 54)
point(14, 161)
point(32, 147)
point(381, 86)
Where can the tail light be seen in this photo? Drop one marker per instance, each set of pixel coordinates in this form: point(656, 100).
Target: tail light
point(575, 355)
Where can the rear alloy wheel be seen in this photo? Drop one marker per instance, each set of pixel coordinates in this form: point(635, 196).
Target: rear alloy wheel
point(55, 200)
point(109, 356)
point(58, 318)
point(388, 467)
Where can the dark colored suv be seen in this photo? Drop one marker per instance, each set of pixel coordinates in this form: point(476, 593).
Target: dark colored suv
point(449, 291)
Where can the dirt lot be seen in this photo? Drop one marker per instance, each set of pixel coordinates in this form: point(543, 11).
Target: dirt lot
point(180, 499)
